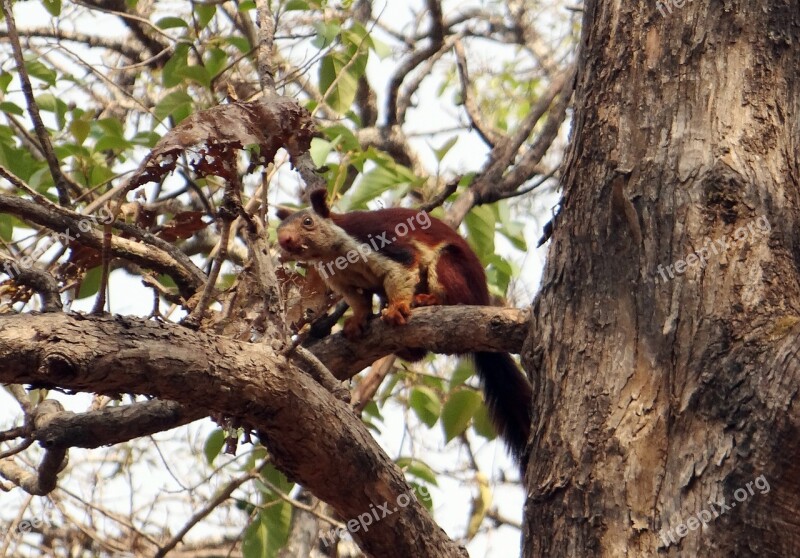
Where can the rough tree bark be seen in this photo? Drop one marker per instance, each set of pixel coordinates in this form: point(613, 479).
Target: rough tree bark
point(665, 395)
point(311, 436)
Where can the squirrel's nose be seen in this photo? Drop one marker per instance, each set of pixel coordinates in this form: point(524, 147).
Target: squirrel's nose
point(287, 240)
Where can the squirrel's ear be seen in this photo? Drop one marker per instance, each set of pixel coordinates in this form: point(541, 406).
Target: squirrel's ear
point(319, 203)
point(283, 213)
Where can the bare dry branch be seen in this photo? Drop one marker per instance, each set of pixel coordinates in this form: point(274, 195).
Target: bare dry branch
point(188, 279)
point(416, 58)
point(113, 425)
point(43, 481)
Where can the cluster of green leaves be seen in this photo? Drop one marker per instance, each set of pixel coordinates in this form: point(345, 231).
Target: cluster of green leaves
point(345, 61)
point(198, 59)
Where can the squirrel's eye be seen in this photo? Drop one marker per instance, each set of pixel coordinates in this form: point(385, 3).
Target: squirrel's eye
point(308, 221)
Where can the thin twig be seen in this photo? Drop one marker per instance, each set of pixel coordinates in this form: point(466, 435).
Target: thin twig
point(100, 301)
point(488, 134)
point(266, 37)
point(223, 495)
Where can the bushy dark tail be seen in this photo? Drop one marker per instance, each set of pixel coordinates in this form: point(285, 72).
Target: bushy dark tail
point(508, 398)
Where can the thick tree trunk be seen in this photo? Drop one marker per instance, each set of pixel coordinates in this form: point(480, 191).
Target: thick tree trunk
point(662, 344)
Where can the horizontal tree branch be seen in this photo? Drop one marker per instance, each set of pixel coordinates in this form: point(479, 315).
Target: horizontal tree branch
point(66, 224)
point(113, 425)
point(314, 438)
point(440, 329)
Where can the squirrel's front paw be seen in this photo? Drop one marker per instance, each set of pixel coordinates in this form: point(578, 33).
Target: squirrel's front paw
point(396, 313)
point(425, 299)
point(353, 328)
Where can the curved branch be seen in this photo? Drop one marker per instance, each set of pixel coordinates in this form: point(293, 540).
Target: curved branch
point(416, 58)
point(139, 26)
point(488, 134)
point(68, 226)
point(491, 184)
point(43, 481)
point(113, 425)
point(313, 438)
point(93, 41)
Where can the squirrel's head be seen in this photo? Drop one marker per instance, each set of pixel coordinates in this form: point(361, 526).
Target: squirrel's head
point(306, 235)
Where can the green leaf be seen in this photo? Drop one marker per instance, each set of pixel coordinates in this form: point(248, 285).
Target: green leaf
point(298, 5)
point(277, 478)
point(442, 151)
point(514, 232)
point(41, 180)
point(100, 174)
point(90, 282)
point(196, 73)
point(254, 542)
point(239, 42)
point(50, 103)
point(110, 143)
point(6, 227)
point(5, 81)
point(319, 151)
point(177, 104)
point(112, 127)
point(52, 6)
point(40, 71)
point(381, 49)
point(346, 137)
point(499, 272)
point(418, 468)
point(277, 514)
point(462, 373)
point(458, 411)
point(167, 281)
point(423, 495)
point(170, 76)
point(426, 405)
point(79, 130)
point(483, 424)
point(11, 108)
point(371, 410)
point(216, 60)
point(246, 6)
point(372, 185)
point(171, 22)
point(277, 518)
point(326, 33)
point(213, 445)
point(205, 12)
point(480, 230)
point(19, 161)
point(339, 93)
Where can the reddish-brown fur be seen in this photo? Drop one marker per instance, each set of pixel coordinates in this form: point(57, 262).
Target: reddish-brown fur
point(448, 272)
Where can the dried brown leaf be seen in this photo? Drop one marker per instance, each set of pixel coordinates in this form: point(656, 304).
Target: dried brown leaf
point(212, 138)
